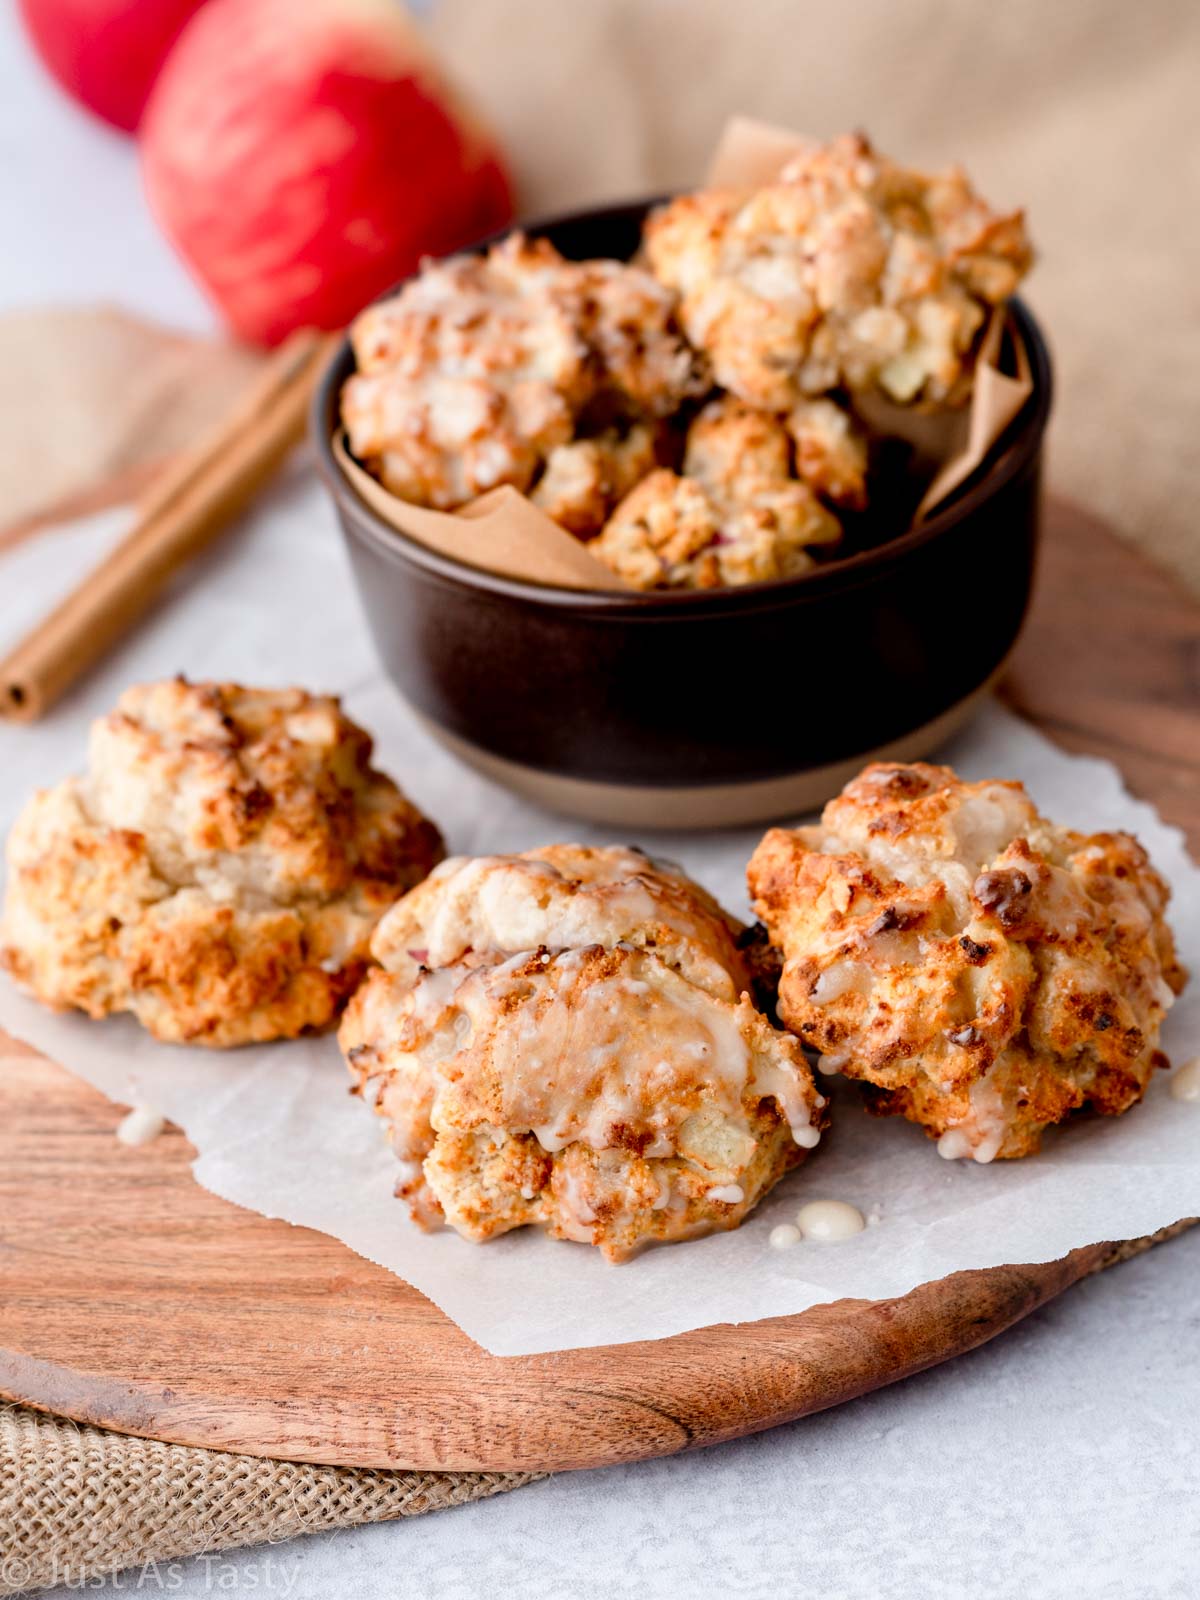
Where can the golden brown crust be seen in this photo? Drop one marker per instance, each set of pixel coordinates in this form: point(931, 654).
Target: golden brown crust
point(831, 453)
point(584, 480)
point(849, 270)
point(565, 1038)
point(595, 1092)
point(737, 514)
point(517, 367)
point(665, 534)
point(627, 320)
point(985, 971)
point(563, 896)
point(219, 870)
point(483, 366)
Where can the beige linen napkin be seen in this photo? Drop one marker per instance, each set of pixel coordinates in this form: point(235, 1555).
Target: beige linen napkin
point(93, 402)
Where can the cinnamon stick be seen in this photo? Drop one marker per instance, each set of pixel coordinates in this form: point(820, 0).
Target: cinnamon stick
point(189, 507)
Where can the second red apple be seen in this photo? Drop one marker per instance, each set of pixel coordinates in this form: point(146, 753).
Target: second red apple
point(304, 157)
point(106, 53)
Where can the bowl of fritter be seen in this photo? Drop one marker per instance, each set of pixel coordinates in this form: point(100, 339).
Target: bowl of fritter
point(671, 390)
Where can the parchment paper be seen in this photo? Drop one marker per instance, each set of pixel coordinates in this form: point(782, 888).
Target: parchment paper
point(501, 530)
point(505, 532)
point(276, 1130)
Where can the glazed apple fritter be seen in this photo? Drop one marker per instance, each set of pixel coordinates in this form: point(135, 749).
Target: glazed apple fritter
point(483, 365)
point(584, 480)
point(738, 512)
point(219, 869)
point(848, 271)
point(984, 971)
point(565, 1039)
point(577, 382)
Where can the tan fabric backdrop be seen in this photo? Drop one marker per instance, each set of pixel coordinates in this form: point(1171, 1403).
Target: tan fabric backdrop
point(1085, 111)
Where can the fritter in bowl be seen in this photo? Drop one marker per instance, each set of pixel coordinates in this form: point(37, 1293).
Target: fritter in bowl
point(483, 366)
point(741, 510)
point(217, 872)
point(984, 971)
point(849, 271)
point(583, 481)
point(594, 1092)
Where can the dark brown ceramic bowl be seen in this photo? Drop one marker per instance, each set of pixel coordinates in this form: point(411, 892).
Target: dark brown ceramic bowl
point(687, 708)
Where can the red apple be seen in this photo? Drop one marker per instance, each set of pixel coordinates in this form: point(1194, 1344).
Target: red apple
point(304, 156)
point(107, 53)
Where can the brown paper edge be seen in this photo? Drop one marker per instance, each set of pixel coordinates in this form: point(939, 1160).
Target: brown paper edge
point(996, 399)
point(502, 532)
point(751, 153)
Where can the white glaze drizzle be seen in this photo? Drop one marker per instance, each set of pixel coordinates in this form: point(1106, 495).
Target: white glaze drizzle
point(829, 1221)
point(140, 1126)
point(1185, 1081)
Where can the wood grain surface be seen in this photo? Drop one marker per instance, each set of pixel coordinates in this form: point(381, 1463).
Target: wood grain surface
point(132, 1298)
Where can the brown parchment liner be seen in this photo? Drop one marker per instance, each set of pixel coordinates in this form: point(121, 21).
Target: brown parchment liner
point(504, 532)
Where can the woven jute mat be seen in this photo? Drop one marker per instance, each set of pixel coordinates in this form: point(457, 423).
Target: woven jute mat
point(78, 1502)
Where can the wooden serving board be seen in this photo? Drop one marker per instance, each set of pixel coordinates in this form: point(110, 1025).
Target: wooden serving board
point(132, 1298)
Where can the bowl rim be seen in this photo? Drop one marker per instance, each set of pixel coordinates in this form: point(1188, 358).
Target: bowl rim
point(1024, 442)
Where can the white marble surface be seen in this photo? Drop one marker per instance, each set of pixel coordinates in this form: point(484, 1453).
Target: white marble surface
point(1060, 1461)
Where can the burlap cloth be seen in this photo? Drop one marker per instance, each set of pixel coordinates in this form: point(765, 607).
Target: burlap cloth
point(76, 1502)
point(1086, 113)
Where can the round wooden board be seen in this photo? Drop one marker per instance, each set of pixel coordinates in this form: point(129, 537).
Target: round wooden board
point(132, 1298)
